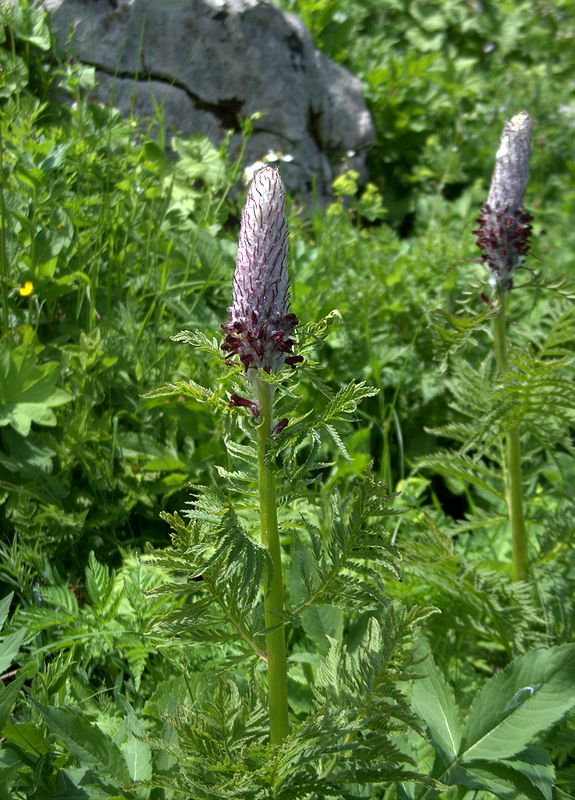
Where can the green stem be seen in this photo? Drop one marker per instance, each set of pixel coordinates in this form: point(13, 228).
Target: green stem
point(512, 466)
point(273, 600)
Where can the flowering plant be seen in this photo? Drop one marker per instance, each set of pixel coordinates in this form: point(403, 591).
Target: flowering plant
point(504, 225)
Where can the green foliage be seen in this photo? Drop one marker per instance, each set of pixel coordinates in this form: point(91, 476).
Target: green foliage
point(489, 750)
point(139, 673)
point(341, 562)
point(100, 242)
point(9, 649)
point(29, 391)
point(440, 76)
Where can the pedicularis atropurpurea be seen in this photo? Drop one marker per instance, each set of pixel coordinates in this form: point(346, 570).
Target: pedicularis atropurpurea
point(503, 236)
point(259, 331)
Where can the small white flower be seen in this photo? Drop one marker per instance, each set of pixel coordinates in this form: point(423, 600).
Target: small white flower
point(250, 171)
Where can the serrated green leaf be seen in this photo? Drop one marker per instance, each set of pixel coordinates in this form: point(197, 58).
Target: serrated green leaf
point(338, 441)
point(28, 390)
point(85, 741)
point(7, 777)
point(138, 753)
point(450, 332)
point(433, 700)
point(61, 598)
point(9, 648)
point(99, 582)
point(347, 400)
point(530, 695)
point(5, 608)
point(302, 577)
point(13, 73)
point(464, 468)
point(30, 24)
point(8, 697)
point(537, 766)
point(192, 390)
point(82, 783)
point(529, 775)
point(27, 736)
point(559, 794)
point(323, 624)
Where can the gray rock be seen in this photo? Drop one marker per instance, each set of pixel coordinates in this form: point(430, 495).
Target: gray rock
point(209, 63)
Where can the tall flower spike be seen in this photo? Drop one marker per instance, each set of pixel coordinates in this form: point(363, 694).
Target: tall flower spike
point(504, 225)
point(259, 326)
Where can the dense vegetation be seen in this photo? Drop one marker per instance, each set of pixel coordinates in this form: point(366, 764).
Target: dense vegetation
point(131, 662)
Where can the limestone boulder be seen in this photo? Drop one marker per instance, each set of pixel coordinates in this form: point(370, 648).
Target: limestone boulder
point(210, 63)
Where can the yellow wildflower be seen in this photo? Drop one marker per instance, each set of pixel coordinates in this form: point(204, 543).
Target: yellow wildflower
point(26, 290)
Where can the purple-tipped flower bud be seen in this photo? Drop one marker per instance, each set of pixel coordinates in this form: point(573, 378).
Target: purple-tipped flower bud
point(504, 225)
point(237, 401)
point(280, 426)
point(259, 326)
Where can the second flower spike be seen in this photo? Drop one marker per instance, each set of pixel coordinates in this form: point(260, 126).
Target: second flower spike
point(259, 327)
point(504, 225)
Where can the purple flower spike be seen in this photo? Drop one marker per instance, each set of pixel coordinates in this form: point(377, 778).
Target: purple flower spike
point(504, 225)
point(259, 326)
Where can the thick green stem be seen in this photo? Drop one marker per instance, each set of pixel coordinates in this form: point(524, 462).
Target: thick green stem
point(512, 466)
point(273, 600)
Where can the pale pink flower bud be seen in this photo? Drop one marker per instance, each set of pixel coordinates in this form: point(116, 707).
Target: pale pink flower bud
point(504, 225)
point(260, 326)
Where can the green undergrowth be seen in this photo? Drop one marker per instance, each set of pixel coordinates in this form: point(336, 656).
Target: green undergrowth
point(439, 76)
point(131, 646)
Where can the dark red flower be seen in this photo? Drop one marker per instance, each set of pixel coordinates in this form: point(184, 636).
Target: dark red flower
point(237, 401)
